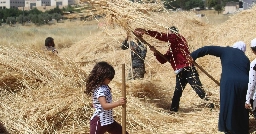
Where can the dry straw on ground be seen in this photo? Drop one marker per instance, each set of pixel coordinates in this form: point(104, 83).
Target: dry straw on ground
point(43, 93)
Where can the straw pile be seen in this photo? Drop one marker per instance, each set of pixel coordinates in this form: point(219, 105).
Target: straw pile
point(43, 93)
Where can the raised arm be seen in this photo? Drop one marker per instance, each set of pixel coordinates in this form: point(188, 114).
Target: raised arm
point(207, 50)
point(160, 36)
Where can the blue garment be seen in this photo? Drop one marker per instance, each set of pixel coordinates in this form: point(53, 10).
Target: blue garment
point(233, 116)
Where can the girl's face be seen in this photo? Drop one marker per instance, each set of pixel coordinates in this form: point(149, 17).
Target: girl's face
point(106, 81)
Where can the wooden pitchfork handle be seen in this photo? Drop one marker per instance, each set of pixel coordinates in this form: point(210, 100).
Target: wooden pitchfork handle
point(217, 82)
point(198, 66)
point(145, 42)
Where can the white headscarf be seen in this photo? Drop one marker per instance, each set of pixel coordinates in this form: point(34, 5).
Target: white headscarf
point(240, 45)
point(253, 43)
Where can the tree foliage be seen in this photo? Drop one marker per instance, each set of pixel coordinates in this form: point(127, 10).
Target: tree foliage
point(193, 4)
point(56, 16)
point(34, 15)
point(55, 10)
point(10, 20)
point(218, 8)
point(190, 4)
point(211, 3)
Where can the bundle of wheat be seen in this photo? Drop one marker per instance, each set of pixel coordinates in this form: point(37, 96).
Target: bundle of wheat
point(43, 93)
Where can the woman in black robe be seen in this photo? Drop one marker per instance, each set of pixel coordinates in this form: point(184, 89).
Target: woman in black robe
point(233, 117)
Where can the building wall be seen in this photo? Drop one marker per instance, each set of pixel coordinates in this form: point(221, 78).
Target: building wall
point(230, 9)
point(17, 3)
point(4, 4)
point(59, 2)
point(34, 3)
point(46, 2)
point(71, 2)
point(247, 4)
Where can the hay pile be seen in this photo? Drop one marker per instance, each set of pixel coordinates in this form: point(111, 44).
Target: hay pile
point(43, 93)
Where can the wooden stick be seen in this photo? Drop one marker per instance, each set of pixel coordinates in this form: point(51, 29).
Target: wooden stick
point(130, 47)
point(123, 95)
point(217, 82)
point(145, 42)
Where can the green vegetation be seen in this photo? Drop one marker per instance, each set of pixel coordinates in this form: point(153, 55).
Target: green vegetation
point(14, 15)
point(190, 4)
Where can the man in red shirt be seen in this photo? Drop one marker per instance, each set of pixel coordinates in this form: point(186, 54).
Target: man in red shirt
point(177, 56)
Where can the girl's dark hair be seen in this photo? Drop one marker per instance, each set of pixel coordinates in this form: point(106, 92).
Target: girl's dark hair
point(49, 40)
point(99, 73)
point(253, 49)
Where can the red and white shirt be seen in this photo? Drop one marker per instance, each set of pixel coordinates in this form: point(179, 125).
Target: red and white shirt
point(178, 50)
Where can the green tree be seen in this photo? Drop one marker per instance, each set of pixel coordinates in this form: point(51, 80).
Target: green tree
point(35, 11)
point(44, 18)
point(10, 20)
point(1, 15)
point(184, 4)
point(22, 18)
point(69, 8)
point(211, 3)
point(55, 10)
point(56, 16)
point(218, 8)
point(13, 12)
point(193, 4)
point(33, 18)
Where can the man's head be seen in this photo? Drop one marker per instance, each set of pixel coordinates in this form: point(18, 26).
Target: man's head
point(174, 29)
point(49, 42)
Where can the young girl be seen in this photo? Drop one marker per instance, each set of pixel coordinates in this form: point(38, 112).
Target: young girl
point(251, 94)
point(97, 85)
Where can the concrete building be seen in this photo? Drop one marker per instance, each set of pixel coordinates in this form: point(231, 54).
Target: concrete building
point(231, 7)
point(11, 3)
point(29, 4)
point(246, 4)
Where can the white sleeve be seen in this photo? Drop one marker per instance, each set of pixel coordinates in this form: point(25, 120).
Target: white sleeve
point(100, 92)
point(251, 84)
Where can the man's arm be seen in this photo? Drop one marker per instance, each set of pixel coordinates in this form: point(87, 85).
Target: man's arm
point(158, 35)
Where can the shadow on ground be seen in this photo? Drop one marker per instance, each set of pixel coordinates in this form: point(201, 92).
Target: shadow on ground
point(3, 130)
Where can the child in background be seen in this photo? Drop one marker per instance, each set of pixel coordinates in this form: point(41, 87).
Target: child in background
point(251, 95)
point(97, 85)
point(50, 45)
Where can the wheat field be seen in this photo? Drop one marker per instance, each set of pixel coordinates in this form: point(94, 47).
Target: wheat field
point(41, 92)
